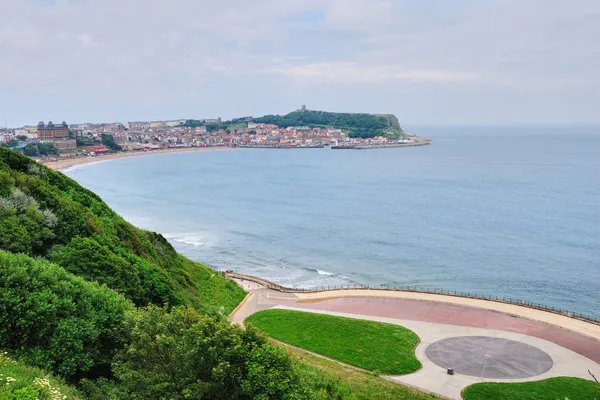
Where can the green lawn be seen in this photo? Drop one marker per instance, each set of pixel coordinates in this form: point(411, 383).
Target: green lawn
point(549, 389)
point(342, 383)
point(375, 346)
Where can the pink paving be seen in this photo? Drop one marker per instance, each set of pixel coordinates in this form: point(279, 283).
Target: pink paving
point(429, 311)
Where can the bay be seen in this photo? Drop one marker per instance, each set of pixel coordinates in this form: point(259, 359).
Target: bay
point(502, 211)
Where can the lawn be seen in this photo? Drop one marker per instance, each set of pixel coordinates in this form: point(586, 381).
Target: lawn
point(549, 389)
point(374, 346)
point(344, 383)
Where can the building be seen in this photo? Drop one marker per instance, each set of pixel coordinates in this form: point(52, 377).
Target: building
point(51, 131)
point(96, 149)
point(65, 144)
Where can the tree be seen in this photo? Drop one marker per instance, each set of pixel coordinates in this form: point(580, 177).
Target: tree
point(22, 137)
point(109, 142)
point(46, 149)
point(180, 354)
point(13, 143)
point(85, 141)
point(30, 150)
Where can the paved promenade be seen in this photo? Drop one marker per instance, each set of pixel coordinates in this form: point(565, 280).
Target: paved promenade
point(558, 345)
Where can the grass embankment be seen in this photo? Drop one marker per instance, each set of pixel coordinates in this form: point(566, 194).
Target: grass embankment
point(20, 382)
point(374, 346)
point(348, 384)
point(45, 214)
point(548, 389)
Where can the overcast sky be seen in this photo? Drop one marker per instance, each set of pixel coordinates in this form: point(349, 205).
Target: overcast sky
point(427, 61)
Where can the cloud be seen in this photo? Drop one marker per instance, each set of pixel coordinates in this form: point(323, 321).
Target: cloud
point(350, 73)
point(450, 61)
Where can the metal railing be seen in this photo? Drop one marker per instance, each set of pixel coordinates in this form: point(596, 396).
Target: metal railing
point(418, 289)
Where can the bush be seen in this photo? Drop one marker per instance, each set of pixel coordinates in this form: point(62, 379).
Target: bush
point(181, 354)
point(56, 320)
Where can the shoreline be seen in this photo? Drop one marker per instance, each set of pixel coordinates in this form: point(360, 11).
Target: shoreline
point(62, 164)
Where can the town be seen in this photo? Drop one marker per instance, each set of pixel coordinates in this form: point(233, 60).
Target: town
point(63, 140)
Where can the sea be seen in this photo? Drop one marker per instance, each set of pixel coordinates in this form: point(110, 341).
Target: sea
point(503, 211)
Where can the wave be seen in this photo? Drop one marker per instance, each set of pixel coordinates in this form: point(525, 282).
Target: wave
point(188, 239)
point(78, 167)
point(191, 241)
point(322, 272)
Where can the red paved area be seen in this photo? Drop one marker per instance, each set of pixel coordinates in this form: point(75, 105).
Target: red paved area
point(443, 313)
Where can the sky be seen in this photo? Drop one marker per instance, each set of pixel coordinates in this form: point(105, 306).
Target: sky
point(430, 62)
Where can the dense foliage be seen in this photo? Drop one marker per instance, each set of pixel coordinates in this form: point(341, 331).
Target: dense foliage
point(45, 214)
point(181, 354)
point(359, 125)
point(56, 320)
point(374, 346)
point(83, 141)
point(109, 141)
point(40, 149)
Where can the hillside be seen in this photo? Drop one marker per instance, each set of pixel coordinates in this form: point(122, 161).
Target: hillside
point(45, 214)
point(358, 125)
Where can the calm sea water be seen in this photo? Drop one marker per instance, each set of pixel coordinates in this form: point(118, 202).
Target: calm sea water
point(500, 211)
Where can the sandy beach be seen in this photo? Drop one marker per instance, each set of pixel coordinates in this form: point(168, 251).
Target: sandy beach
point(64, 163)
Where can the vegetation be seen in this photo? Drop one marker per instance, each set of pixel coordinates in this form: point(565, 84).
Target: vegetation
point(109, 141)
point(56, 320)
point(45, 214)
point(181, 354)
point(375, 346)
point(359, 125)
point(86, 141)
point(348, 384)
point(548, 389)
point(74, 302)
point(21, 382)
point(40, 149)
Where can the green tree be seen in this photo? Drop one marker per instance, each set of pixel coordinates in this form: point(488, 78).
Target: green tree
point(181, 354)
point(22, 137)
point(13, 143)
point(30, 150)
point(47, 149)
point(109, 142)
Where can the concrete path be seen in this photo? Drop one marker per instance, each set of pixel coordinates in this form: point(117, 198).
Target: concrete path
point(574, 347)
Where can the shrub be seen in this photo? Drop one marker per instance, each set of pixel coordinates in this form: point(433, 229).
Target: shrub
point(181, 354)
point(56, 320)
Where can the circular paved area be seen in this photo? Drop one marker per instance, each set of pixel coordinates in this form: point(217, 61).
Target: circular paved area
point(489, 357)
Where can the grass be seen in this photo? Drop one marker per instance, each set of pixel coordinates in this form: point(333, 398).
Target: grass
point(374, 346)
point(549, 389)
point(206, 288)
point(331, 380)
point(20, 382)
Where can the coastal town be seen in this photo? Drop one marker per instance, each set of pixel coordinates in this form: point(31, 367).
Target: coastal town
point(61, 140)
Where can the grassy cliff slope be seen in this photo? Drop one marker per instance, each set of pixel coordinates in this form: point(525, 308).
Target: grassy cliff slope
point(45, 214)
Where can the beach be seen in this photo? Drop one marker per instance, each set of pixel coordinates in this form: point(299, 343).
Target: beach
point(64, 163)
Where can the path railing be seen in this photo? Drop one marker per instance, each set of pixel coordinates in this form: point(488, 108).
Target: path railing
point(418, 289)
